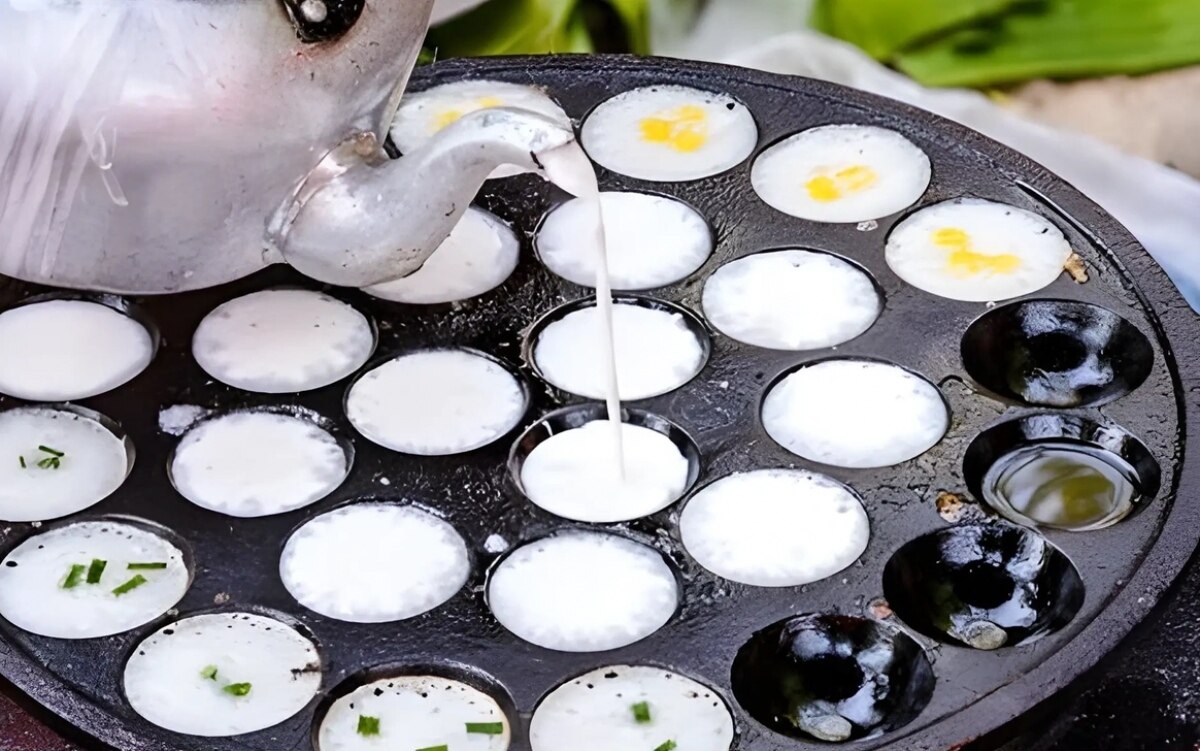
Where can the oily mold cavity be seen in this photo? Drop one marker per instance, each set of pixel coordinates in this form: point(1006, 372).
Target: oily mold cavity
point(983, 585)
point(1056, 353)
point(832, 677)
point(1107, 446)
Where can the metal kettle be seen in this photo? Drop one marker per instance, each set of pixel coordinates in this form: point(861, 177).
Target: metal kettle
point(151, 146)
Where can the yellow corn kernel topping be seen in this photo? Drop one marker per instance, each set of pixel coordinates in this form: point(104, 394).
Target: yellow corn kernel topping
point(446, 117)
point(827, 188)
point(683, 128)
point(963, 260)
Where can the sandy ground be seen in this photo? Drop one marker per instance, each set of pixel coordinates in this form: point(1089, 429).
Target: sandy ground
point(1154, 116)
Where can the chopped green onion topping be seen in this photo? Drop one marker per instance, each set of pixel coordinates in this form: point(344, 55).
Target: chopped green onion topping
point(210, 672)
point(22, 460)
point(130, 585)
point(442, 747)
point(74, 575)
point(146, 566)
point(237, 689)
point(95, 571)
point(641, 712)
point(668, 746)
point(485, 728)
point(368, 725)
point(49, 462)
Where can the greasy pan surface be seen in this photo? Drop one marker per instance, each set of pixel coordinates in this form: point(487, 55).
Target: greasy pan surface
point(1124, 569)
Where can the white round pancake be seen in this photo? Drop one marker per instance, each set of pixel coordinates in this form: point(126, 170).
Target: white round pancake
point(978, 251)
point(594, 712)
point(651, 241)
point(257, 463)
point(32, 595)
point(423, 114)
point(775, 527)
point(583, 592)
point(414, 712)
point(280, 341)
point(36, 485)
point(841, 173)
point(573, 473)
point(668, 133)
point(855, 413)
point(60, 350)
point(167, 678)
point(791, 300)
point(480, 253)
point(436, 402)
point(656, 352)
point(374, 562)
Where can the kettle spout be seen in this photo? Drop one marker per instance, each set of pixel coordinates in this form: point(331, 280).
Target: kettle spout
point(369, 221)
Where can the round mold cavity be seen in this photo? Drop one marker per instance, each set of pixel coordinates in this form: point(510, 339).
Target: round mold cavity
point(167, 535)
point(659, 226)
point(467, 675)
point(976, 250)
point(984, 586)
point(406, 444)
point(240, 612)
point(323, 596)
point(632, 706)
point(329, 427)
point(571, 418)
point(1056, 353)
point(692, 321)
point(422, 114)
point(650, 133)
point(114, 302)
point(784, 291)
point(83, 413)
point(811, 423)
point(852, 173)
point(832, 677)
point(576, 600)
point(280, 342)
point(1110, 450)
point(775, 527)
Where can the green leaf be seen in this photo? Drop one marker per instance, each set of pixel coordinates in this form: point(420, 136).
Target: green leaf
point(884, 27)
point(574, 37)
point(1063, 39)
point(509, 27)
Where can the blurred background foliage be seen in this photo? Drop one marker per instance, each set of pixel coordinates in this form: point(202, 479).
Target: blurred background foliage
point(980, 43)
point(531, 27)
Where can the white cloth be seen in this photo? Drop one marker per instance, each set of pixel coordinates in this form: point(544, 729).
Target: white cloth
point(1159, 205)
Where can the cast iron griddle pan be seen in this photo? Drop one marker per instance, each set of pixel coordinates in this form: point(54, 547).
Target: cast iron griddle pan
point(1122, 570)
